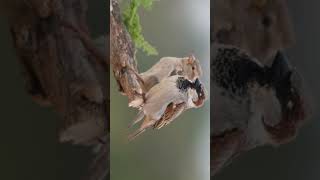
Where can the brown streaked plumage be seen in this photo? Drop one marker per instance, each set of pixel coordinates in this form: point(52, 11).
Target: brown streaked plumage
point(188, 67)
point(170, 114)
point(195, 97)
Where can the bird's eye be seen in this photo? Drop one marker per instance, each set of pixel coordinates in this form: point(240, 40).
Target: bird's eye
point(193, 68)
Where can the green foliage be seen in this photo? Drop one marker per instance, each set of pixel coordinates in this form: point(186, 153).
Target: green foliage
point(132, 22)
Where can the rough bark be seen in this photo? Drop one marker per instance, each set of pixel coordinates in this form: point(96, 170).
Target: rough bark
point(64, 70)
point(123, 56)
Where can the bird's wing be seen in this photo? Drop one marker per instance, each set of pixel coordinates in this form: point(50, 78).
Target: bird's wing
point(161, 95)
point(171, 113)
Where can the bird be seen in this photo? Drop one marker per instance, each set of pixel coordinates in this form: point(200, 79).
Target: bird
point(166, 101)
point(265, 103)
point(189, 67)
point(248, 87)
point(174, 110)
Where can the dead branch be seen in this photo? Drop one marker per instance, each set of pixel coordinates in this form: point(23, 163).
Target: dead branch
point(123, 56)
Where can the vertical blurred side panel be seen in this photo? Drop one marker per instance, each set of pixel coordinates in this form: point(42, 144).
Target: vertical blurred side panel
point(62, 47)
point(252, 80)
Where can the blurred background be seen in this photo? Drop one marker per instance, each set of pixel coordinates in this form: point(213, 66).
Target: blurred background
point(298, 160)
point(29, 148)
point(179, 151)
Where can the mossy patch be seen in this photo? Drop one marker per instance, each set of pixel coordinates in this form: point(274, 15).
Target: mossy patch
point(132, 21)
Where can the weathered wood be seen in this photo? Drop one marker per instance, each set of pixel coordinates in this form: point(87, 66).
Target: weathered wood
point(63, 69)
point(123, 56)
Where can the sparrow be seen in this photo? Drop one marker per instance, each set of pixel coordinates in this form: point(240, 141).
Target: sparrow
point(174, 110)
point(167, 100)
point(248, 87)
point(189, 67)
point(265, 103)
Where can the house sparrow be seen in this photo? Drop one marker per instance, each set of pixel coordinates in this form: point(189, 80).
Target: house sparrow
point(167, 100)
point(189, 67)
point(264, 103)
point(174, 110)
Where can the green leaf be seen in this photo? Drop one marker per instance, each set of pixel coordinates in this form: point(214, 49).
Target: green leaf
point(132, 21)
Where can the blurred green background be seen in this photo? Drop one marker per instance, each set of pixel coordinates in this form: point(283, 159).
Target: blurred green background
point(179, 151)
point(29, 148)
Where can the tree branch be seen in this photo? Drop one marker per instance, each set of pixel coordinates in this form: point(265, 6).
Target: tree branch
point(123, 56)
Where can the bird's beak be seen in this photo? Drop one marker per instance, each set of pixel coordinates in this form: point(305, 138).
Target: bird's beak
point(202, 97)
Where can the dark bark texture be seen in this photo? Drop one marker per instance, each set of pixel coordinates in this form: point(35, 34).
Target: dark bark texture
point(63, 69)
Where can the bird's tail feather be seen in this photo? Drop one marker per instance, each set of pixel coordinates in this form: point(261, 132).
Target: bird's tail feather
point(134, 135)
point(137, 119)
